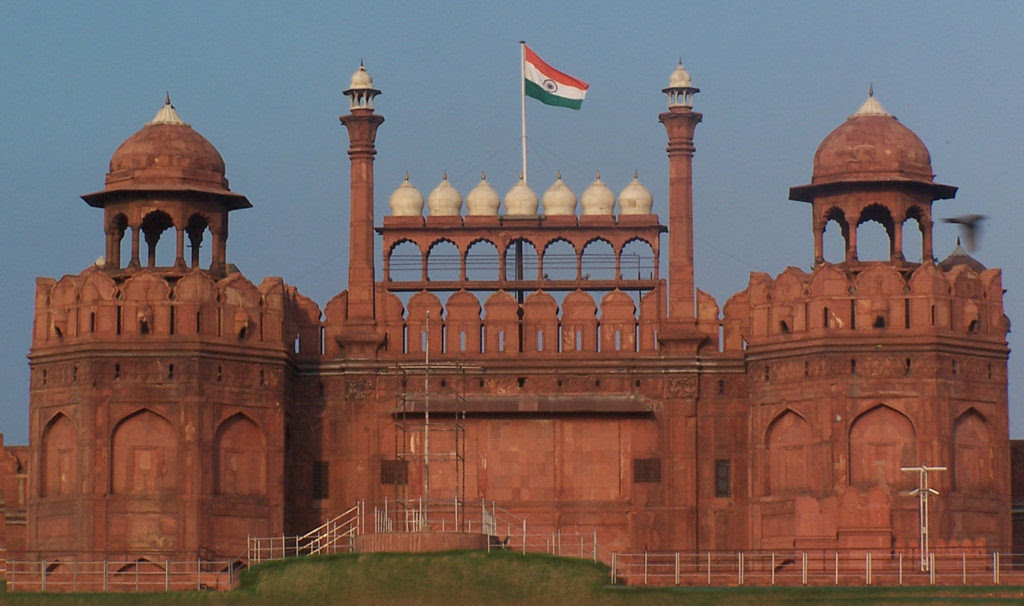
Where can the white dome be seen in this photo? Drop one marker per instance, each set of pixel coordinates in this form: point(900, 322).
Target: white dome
point(361, 79)
point(635, 199)
point(597, 199)
point(482, 200)
point(559, 199)
point(680, 78)
point(520, 200)
point(407, 201)
point(445, 200)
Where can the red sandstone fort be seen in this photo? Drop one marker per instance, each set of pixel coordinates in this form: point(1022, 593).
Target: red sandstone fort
point(571, 376)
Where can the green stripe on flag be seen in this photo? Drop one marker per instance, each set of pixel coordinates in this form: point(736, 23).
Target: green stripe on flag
point(534, 90)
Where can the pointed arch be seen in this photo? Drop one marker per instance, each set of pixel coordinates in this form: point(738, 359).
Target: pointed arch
point(59, 457)
point(144, 454)
point(787, 441)
point(882, 440)
point(240, 453)
point(972, 452)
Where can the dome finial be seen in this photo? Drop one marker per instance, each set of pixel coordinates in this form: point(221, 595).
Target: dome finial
point(635, 175)
point(483, 175)
point(597, 175)
point(406, 175)
point(167, 113)
point(558, 175)
point(444, 175)
point(871, 89)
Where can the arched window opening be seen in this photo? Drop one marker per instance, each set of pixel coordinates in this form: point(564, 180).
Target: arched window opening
point(913, 236)
point(521, 261)
point(444, 262)
point(482, 261)
point(875, 234)
point(153, 226)
point(405, 263)
point(598, 261)
point(835, 234)
point(560, 261)
point(199, 253)
point(637, 262)
point(119, 227)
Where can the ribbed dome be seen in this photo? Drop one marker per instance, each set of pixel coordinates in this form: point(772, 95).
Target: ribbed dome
point(167, 152)
point(361, 78)
point(520, 200)
point(680, 78)
point(559, 199)
point(871, 145)
point(597, 199)
point(482, 199)
point(407, 201)
point(445, 200)
point(635, 199)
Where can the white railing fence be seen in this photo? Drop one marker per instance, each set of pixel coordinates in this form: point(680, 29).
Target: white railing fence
point(853, 567)
point(121, 576)
point(333, 536)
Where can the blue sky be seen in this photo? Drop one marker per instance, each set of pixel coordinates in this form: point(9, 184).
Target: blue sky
point(263, 83)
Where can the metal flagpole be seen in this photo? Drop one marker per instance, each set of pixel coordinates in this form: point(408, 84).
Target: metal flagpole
point(522, 99)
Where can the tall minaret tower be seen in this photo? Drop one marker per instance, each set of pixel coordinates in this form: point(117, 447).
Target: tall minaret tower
point(362, 125)
point(680, 121)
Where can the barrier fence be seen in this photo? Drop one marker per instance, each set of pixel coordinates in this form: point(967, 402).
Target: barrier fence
point(504, 529)
point(854, 567)
point(121, 576)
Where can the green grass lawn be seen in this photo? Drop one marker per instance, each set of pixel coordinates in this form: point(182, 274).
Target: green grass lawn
point(456, 578)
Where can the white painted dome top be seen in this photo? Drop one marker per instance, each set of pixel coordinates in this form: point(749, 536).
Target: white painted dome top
point(559, 199)
point(482, 199)
point(520, 200)
point(406, 201)
point(445, 200)
point(597, 199)
point(635, 199)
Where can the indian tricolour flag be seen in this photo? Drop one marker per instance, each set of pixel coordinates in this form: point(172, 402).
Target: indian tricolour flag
point(548, 85)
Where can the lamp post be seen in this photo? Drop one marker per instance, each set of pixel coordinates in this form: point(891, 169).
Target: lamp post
point(922, 491)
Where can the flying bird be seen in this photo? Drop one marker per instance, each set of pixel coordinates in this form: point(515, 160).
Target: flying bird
point(970, 225)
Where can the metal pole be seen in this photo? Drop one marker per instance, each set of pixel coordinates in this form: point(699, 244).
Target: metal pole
point(42, 575)
point(709, 568)
point(739, 574)
point(995, 568)
point(931, 568)
point(901, 568)
point(167, 575)
point(963, 566)
point(773, 568)
point(522, 99)
point(105, 586)
point(645, 568)
point(837, 568)
point(524, 536)
point(867, 568)
point(922, 491)
point(612, 580)
point(595, 545)
point(804, 567)
point(677, 568)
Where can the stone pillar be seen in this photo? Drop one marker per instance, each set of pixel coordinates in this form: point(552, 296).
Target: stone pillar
point(135, 247)
point(362, 126)
point(680, 122)
point(179, 252)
